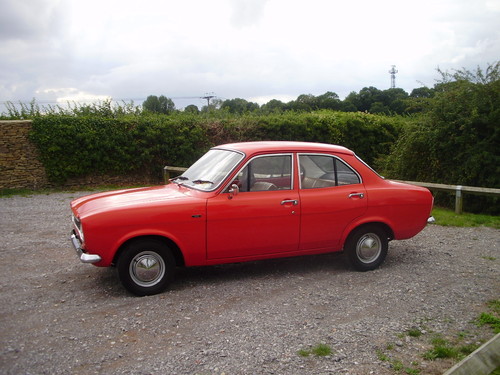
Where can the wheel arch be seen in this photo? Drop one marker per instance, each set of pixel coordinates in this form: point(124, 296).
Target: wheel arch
point(176, 251)
point(384, 226)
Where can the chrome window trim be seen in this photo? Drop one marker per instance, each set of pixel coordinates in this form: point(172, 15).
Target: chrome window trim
point(225, 177)
point(292, 171)
point(333, 156)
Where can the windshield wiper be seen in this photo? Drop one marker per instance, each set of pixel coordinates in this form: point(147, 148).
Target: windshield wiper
point(202, 182)
point(180, 178)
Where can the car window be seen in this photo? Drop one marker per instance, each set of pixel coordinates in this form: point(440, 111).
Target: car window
point(321, 171)
point(265, 173)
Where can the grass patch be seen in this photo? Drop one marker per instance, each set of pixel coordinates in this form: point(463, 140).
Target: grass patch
point(398, 365)
point(443, 348)
point(320, 350)
point(491, 318)
point(494, 305)
point(446, 218)
point(414, 332)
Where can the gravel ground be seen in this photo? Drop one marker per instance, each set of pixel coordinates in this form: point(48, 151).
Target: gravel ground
point(58, 316)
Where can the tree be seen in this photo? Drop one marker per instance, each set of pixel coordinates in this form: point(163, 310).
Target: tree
point(422, 92)
point(456, 139)
point(191, 109)
point(329, 100)
point(160, 104)
point(239, 106)
point(273, 106)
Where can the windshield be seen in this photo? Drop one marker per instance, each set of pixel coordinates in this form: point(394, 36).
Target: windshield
point(210, 170)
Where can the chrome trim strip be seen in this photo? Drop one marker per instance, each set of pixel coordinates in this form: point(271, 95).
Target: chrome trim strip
point(292, 177)
point(336, 157)
point(225, 177)
point(84, 257)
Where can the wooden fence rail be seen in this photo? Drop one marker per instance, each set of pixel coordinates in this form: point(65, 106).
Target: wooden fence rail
point(458, 190)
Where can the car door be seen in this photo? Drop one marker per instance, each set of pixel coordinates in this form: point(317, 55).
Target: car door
point(262, 218)
point(332, 195)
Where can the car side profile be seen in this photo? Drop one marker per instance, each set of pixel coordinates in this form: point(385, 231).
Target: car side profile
point(245, 202)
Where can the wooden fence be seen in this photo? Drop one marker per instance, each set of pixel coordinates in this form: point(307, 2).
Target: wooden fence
point(458, 190)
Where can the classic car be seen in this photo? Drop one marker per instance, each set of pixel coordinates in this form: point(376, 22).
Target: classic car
point(246, 202)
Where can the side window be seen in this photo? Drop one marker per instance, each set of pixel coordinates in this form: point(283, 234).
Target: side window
point(320, 171)
point(345, 175)
point(266, 173)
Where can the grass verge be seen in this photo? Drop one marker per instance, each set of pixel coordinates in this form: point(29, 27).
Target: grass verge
point(446, 217)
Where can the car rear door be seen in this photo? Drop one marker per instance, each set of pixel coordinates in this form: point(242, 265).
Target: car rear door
point(332, 195)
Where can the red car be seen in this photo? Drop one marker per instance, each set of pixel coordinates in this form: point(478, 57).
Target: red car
point(245, 202)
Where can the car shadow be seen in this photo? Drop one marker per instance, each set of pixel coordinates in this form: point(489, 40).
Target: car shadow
point(106, 280)
point(278, 268)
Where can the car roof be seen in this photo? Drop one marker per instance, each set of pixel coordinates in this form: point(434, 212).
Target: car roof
point(284, 146)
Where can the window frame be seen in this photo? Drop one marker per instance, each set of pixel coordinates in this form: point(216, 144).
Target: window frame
point(334, 167)
point(292, 172)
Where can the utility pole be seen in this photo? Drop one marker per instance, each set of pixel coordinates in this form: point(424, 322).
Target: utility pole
point(393, 72)
point(208, 96)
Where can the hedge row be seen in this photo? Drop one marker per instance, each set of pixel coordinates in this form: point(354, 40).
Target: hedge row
point(75, 146)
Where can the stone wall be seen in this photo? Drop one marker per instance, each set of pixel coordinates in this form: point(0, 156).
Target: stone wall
point(20, 166)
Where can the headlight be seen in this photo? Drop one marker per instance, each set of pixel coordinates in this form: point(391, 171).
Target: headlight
point(78, 226)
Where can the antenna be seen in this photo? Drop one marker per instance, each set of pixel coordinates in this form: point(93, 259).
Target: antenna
point(393, 72)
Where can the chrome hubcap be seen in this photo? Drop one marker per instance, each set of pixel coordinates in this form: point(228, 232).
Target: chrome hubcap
point(368, 248)
point(147, 268)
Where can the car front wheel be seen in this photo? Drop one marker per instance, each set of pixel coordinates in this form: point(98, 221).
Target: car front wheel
point(146, 267)
point(367, 247)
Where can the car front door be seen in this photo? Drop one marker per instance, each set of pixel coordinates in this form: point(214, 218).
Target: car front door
point(262, 218)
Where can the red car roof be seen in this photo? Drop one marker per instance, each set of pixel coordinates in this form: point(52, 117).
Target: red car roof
point(284, 146)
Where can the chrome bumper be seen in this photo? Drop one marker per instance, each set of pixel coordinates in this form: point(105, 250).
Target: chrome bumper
point(84, 257)
point(431, 220)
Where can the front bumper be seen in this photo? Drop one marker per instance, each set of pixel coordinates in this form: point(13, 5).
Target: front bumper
point(431, 220)
point(83, 256)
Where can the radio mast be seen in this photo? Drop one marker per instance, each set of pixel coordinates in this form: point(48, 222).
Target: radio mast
point(393, 72)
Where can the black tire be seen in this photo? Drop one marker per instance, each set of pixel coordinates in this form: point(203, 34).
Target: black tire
point(367, 247)
point(146, 267)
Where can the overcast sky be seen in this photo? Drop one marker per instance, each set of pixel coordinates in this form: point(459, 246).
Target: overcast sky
point(59, 50)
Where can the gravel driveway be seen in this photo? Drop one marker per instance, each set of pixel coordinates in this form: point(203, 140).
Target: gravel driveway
point(58, 316)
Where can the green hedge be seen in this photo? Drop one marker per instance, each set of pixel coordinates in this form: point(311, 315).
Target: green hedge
point(80, 146)
point(457, 141)
point(73, 146)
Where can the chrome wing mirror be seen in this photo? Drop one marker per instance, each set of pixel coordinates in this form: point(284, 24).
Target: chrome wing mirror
point(233, 191)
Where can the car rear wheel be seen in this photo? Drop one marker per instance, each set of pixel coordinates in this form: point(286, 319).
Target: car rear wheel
point(367, 247)
point(146, 267)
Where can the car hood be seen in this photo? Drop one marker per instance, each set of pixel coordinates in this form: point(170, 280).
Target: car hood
point(128, 198)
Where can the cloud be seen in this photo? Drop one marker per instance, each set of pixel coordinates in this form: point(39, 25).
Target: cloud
point(52, 49)
point(247, 13)
point(29, 19)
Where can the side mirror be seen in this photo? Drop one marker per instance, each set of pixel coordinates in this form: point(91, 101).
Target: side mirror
point(233, 191)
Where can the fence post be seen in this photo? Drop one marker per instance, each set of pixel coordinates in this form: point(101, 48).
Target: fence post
point(458, 199)
point(167, 170)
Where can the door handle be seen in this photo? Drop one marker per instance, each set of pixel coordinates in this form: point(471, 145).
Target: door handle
point(360, 195)
point(292, 201)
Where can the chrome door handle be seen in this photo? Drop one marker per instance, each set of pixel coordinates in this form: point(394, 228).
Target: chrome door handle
point(360, 195)
point(292, 201)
